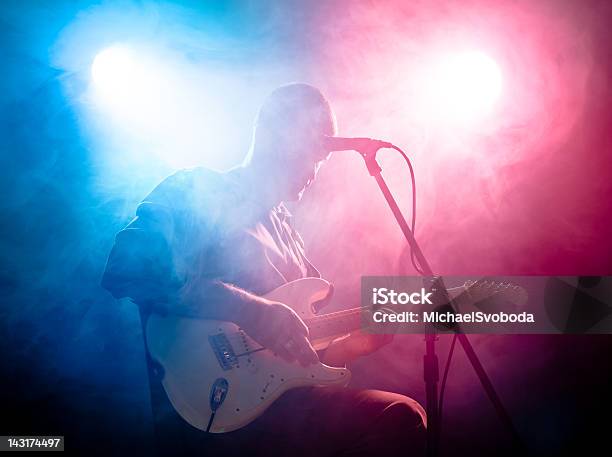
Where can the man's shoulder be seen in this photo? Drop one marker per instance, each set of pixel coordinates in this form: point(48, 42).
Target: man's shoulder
point(184, 185)
point(187, 178)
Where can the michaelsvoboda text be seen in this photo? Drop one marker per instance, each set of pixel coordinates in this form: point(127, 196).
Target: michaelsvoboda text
point(451, 317)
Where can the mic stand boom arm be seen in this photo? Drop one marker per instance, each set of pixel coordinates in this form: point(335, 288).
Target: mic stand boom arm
point(430, 360)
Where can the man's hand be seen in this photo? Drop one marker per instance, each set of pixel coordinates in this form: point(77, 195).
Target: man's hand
point(356, 344)
point(278, 328)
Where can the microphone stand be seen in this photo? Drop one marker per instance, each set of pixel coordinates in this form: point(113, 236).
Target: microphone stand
point(430, 359)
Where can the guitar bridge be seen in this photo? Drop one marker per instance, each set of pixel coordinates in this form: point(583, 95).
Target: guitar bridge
point(223, 351)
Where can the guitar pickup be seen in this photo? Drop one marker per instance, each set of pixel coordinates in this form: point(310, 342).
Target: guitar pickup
point(223, 351)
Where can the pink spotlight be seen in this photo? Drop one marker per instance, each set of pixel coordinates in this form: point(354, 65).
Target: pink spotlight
point(463, 87)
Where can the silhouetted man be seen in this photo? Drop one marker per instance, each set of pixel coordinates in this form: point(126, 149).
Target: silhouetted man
point(209, 245)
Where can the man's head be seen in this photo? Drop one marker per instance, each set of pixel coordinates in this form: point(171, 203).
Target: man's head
point(288, 139)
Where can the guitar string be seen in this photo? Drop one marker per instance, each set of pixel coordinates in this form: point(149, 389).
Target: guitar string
point(237, 338)
point(339, 316)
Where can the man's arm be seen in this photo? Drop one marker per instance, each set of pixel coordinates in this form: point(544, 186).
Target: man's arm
point(345, 349)
point(272, 324)
point(141, 266)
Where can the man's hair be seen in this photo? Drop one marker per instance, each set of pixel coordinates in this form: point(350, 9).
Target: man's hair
point(291, 114)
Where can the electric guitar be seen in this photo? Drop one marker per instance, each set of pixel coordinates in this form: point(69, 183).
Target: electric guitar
point(219, 379)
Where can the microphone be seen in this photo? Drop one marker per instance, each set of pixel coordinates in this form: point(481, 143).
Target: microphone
point(363, 145)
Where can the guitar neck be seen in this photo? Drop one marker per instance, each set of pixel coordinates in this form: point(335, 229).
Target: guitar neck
point(343, 322)
point(335, 324)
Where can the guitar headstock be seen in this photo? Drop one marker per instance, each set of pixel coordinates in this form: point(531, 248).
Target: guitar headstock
point(483, 289)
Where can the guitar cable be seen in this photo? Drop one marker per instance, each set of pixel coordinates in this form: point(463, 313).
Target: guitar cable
point(210, 422)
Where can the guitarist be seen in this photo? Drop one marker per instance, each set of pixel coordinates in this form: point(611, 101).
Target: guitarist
point(208, 245)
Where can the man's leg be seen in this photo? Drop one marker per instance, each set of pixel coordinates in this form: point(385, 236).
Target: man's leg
point(340, 422)
point(320, 422)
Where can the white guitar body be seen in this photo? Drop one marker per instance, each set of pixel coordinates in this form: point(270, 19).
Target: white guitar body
point(210, 361)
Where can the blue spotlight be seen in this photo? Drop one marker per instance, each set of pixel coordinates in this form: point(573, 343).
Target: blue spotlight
point(129, 85)
point(114, 69)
